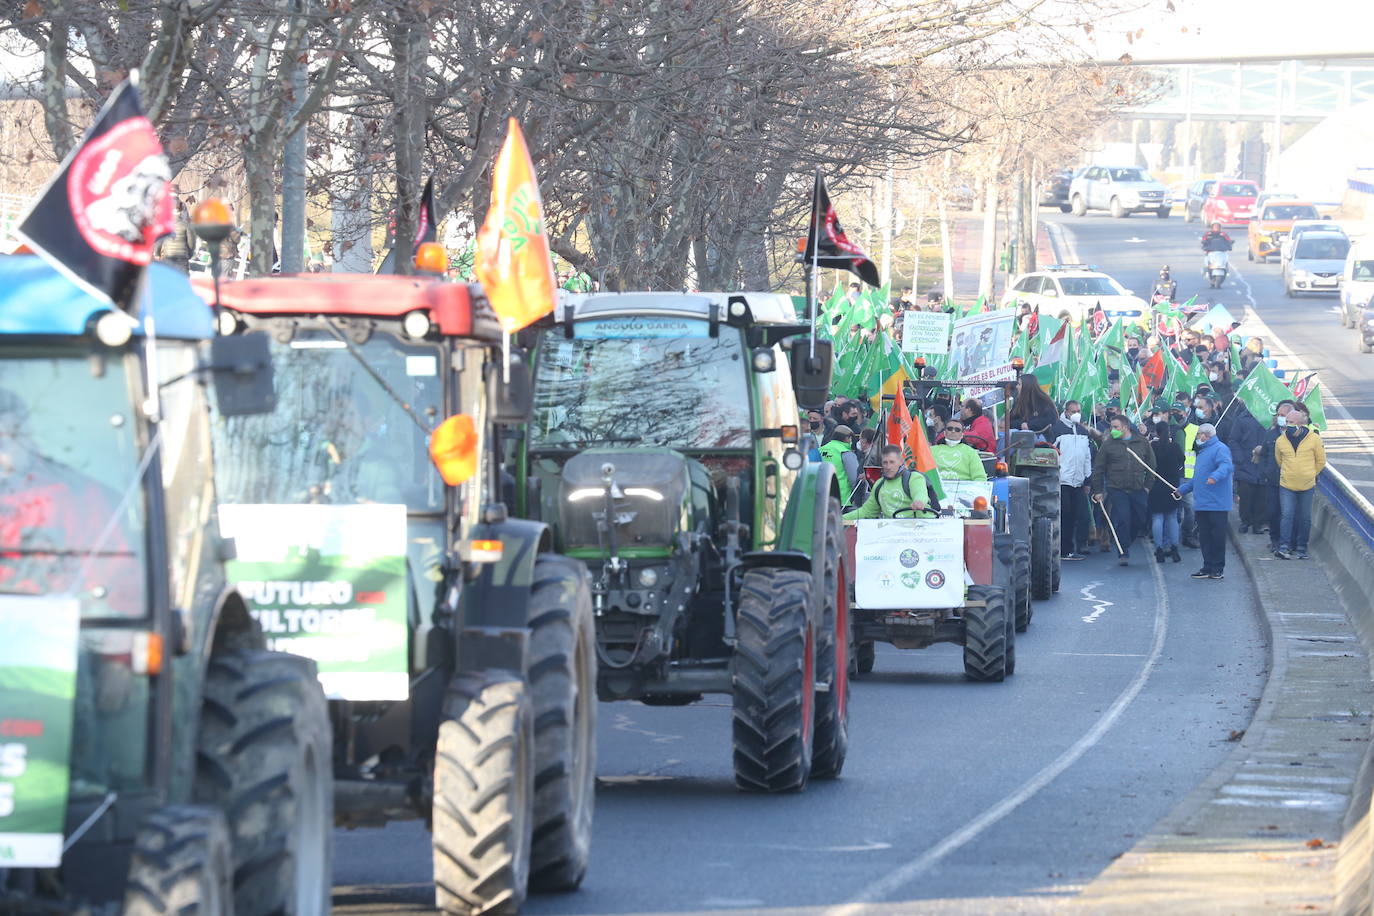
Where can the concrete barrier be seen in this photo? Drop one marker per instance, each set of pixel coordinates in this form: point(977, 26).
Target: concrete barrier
point(1343, 538)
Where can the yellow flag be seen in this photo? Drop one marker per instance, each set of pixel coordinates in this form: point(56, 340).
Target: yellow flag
point(513, 263)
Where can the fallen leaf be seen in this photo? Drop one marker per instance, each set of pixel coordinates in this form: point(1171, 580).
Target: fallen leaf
point(33, 9)
point(1236, 735)
point(177, 145)
point(1316, 843)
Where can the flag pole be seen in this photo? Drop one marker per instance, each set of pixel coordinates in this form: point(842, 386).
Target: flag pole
point(814, 237)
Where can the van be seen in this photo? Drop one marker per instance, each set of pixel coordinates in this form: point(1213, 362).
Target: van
point(1357, 285)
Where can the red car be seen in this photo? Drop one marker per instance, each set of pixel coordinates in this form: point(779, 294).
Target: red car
point(1231, 202)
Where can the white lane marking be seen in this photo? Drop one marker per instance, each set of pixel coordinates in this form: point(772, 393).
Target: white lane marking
point(1134, 239)
point(897, 879)
point(1101, 604)
point(624, 723)
point(1104, 654)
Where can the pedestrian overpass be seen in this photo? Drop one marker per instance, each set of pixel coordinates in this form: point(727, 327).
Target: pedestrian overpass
point(1290, 91)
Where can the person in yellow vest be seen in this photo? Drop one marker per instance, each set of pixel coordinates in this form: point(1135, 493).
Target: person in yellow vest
point(953, 459)
point(839, 454)
point(1187, 437)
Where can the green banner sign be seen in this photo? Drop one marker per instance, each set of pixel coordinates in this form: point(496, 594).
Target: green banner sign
point(37, 696)
point(328, 583)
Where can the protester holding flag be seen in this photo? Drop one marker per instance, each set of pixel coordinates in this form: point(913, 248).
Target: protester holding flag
point(839, 454)
point(896, 491)
point(1211, 482)
point(1164, 507)
point(1242, 435)
point(1269, 471)
point(1301, 457)
point(1121, 480)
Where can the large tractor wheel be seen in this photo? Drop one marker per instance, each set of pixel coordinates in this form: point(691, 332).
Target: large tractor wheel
point(182, 863)
point(867, 656)
point(831, 743)
point(562, 680)
point(265, 759)
point(774, 681)
point(1021, 594)
point(483, 796)
point(1042, 569)
point(989, 633)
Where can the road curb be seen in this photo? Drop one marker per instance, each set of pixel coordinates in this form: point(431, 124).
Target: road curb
point(1242, 839)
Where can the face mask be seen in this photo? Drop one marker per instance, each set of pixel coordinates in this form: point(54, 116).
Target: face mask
point(1117, 434)
point(1200, 413)
point(1281, 420)
point(1075, 417)
point(814, 424)
point(1157, 418)
point(1213, 376)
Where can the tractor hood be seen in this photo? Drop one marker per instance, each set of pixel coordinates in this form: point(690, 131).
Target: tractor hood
point(651, 492)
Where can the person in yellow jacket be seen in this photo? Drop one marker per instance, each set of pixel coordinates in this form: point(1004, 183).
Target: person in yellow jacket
point(1301, 456)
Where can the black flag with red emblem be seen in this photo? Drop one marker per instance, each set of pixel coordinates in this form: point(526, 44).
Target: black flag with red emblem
point(828, 246)
point(108, 204)
point(425, 229)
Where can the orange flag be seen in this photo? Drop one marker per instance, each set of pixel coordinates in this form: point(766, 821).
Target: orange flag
point(513, 263)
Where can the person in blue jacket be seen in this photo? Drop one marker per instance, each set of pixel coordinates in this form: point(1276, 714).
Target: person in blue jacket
point(1213, 474)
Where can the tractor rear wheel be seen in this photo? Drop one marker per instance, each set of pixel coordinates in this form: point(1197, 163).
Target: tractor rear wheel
point(182, 863)
point(986, 633)
point(562, 685)
point(483, 796)
point(867, 656)
point(264, 758)
point(832, 649)
point(1042, 569)
point(1021, 594)
point(774, 681)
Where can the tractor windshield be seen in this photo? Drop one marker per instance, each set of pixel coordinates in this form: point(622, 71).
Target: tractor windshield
point(336, 435)
point(641, 381)
point(71, 500)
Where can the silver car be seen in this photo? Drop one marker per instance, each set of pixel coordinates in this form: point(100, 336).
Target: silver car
point(1121, 190)
point(1316, 263)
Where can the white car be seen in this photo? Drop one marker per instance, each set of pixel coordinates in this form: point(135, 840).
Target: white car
point(1357, 288)
point(1316, 263)
point(1073, 291)
point(1300, 227)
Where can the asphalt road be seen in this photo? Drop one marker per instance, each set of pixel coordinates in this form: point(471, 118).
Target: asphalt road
point(957, 797)
point(1303, 333)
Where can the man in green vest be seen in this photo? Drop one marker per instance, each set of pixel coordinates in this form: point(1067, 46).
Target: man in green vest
point(897, 490)
point(953, 459)
point(839, 454)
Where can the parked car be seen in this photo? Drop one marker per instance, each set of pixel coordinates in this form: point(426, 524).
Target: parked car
point(1055, 190)
point(1120, 190)
point(1357, 283)
point(1271, 227)
point(1231, 202)
point(1302, 227)
point(1072, 291)
point(1317, 264)
point(1197, 193)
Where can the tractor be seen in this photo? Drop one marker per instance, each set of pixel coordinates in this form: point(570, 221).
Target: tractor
point(663, 453)
point(455, 647)
point(155, 755)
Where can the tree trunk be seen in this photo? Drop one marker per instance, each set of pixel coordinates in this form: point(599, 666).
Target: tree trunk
point(259, 166)
point(989, 259)
point(410, 46)
point(350, 194)
point(946, 254)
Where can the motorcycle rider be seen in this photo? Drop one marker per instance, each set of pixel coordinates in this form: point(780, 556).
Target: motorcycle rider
point(1166, 287)
point(1216, 244)
point(1215, 239)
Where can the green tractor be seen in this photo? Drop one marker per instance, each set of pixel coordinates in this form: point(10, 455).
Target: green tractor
point(155, 756)
point(455, 647)
point(663, 453)
point(1029, 456)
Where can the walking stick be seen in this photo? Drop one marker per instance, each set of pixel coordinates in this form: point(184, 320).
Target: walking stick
point(1108, 516)
point(1175, 494)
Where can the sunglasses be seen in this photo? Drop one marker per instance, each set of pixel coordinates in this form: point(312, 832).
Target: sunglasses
point(954, 429)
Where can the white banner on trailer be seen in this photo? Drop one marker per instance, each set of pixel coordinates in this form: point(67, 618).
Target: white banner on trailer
point(909, 563)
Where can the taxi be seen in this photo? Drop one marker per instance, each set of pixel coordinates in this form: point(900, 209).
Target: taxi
point(1272, 224)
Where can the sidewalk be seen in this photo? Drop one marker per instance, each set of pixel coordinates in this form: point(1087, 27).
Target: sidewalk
point(1263, 833)
point(966, 248)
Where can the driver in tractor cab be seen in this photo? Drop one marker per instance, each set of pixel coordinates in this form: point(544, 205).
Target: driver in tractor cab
point(898, 490)
point(955, 460)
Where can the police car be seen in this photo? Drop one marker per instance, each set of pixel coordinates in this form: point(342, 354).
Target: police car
point(1075, 291)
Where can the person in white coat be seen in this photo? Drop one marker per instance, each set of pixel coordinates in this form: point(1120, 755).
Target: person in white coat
point(1075, 444)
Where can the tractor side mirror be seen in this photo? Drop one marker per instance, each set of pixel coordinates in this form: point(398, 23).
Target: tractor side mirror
point(811, 373)
point(511, 401)
point(241, 369)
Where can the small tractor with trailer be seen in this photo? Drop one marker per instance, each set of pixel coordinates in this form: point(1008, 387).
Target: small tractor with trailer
point(663, 453)
point(455, 647)
point(909, 588)
point(155, 756)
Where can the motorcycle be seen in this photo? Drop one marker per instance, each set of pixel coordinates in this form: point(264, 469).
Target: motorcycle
point(1216, 266)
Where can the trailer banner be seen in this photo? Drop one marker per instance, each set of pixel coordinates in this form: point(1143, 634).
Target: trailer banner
point(909, 563)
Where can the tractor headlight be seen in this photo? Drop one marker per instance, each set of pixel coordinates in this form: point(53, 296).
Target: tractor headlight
point(792, 459)
point(114, 328)
point(416, 324)
point(648, 577)
point(764, 360)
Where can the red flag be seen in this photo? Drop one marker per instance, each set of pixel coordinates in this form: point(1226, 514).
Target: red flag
point(108, 204)
point(899, 421)
point(1152, 373)
point(826, 243)
point(1033, 323)
point(426, 228)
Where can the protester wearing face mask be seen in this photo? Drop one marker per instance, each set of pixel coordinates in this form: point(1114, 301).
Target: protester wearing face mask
point(1075, 444)
point(1301, 457)
point(1212, 483)
point(1242, 435)
point(953, 459)
point(1269, 471)
point(1198, 414)
point(815, 429)
point(1121, 480)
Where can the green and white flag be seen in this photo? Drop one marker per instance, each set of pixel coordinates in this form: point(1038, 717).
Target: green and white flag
point(38, 654)
point(1261, 392)
point(1313, 403)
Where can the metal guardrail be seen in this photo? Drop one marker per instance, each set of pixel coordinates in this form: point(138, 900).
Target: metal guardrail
point(1352, 505)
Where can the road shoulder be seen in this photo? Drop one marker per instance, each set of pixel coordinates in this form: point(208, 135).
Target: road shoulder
point(1263, 831)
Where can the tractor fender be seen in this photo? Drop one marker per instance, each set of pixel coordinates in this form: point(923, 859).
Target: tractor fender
point(814, 486)
point(978, 550)
point(230, 626)
point(493, 605)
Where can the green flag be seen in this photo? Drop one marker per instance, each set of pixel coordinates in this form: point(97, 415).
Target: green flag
point(1261, 392)
point(1313, 403)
